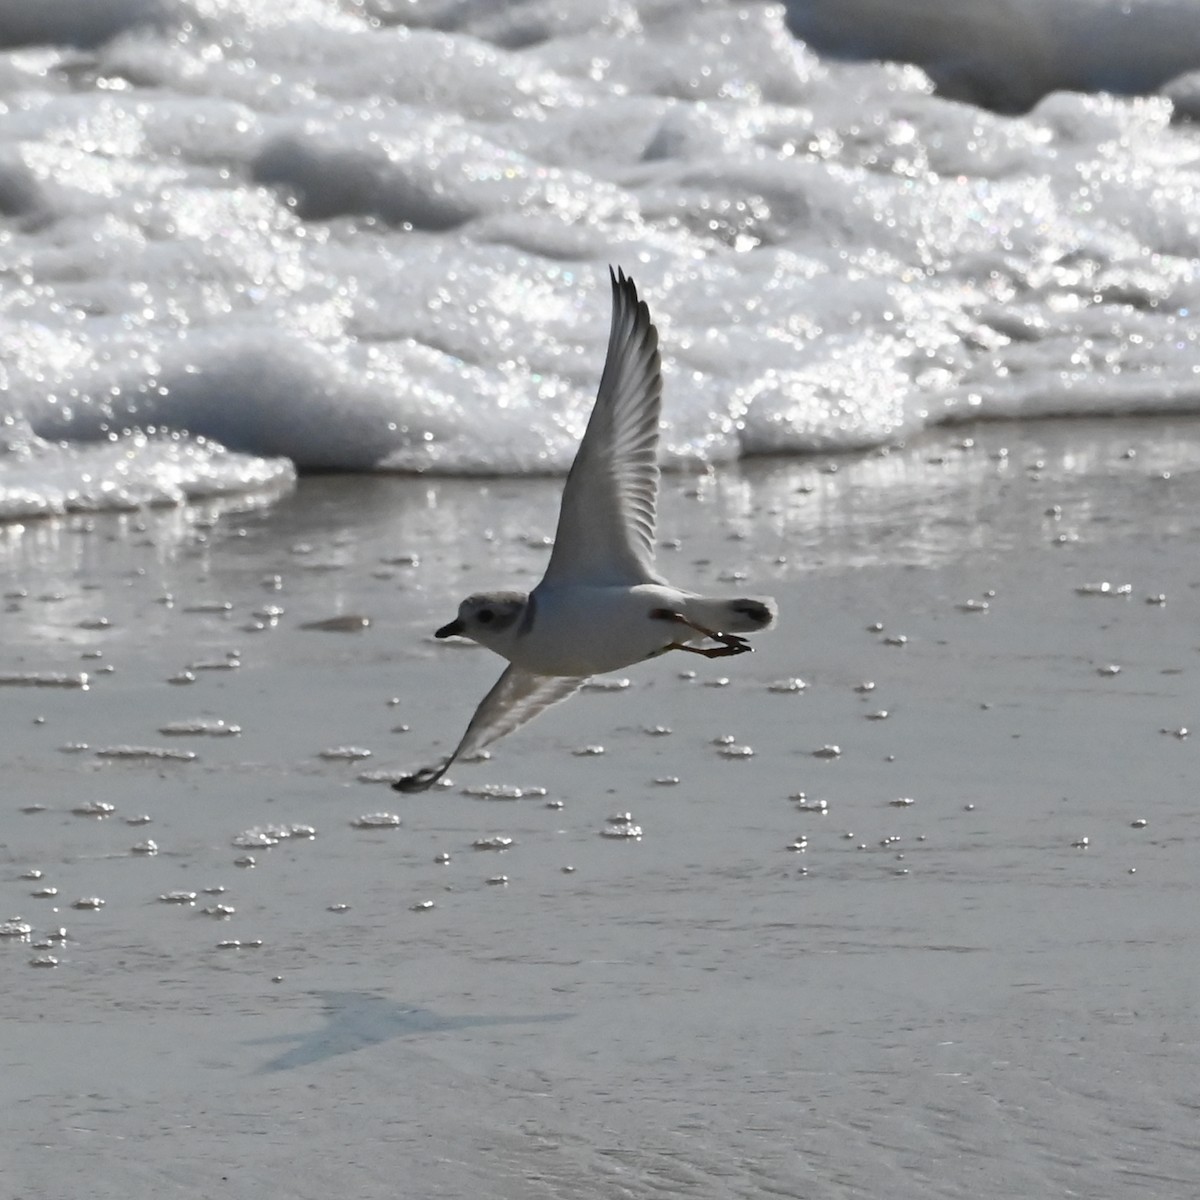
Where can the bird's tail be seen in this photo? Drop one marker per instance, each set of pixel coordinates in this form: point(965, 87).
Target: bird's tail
point(745, 614)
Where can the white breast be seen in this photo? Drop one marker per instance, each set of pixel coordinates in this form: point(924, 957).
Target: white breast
point(589, 630)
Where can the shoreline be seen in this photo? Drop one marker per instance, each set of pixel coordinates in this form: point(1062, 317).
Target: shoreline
point(704, 1006)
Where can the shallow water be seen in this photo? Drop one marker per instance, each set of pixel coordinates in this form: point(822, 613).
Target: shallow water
point(958, 999)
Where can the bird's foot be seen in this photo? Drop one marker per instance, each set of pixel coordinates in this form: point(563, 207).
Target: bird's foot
point(731, 643)
point(738, 646)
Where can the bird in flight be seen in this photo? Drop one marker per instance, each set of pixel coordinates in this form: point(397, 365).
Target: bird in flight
point(601, 604)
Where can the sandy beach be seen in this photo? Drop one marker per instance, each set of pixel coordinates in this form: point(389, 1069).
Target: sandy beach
point(963, 964)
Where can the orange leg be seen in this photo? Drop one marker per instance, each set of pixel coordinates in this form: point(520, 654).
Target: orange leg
point(730, 642)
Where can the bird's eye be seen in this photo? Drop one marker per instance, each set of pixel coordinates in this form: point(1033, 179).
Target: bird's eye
point(486, 616)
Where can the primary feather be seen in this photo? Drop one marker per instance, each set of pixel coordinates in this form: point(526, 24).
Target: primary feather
point(606, 524)
point(516, 697)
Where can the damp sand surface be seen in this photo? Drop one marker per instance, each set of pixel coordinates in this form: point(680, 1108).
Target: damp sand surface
point(901, 905)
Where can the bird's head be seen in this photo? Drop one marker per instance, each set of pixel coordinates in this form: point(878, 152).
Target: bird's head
point(489, 618)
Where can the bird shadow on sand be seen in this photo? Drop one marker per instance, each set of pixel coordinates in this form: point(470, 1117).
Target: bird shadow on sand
point(356, 1020)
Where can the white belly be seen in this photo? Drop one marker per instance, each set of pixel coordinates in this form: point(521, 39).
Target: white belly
point(586, 631)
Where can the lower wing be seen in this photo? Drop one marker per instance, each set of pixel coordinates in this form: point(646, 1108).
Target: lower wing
point(517, 697)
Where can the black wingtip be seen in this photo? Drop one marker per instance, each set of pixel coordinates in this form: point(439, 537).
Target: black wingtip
point(622, 282)
point(422, 780)
point(625, 297)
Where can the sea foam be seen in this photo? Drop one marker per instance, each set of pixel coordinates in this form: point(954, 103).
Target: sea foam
point(376, 236)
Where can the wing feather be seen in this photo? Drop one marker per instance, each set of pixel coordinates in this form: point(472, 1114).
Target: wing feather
point(515, 699)
point(609, 504)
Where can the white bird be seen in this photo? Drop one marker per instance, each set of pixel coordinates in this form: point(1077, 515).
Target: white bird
point(601, 605)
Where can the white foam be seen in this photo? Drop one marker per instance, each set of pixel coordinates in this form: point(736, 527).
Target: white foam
point(39, 478)
point(240, 233)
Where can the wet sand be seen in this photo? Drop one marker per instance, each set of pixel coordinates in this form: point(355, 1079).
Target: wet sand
point(964, 965)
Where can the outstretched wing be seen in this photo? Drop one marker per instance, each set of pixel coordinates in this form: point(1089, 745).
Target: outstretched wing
point(606, 523)
point(517, 697)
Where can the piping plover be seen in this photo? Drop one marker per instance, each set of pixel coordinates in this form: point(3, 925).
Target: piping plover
point(601, 605)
